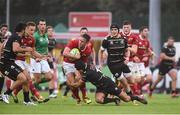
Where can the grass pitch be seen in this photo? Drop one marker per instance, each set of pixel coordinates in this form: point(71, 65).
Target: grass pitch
point(159, 104)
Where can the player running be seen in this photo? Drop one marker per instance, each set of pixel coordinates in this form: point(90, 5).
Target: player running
point(141, 70)
point(167, 65)
point(24, 61)
point(117, 49)
point(12, 70)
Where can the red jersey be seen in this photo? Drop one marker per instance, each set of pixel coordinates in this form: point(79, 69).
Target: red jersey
point(84, 53)
point(26, 42)
point(132, 39)
point(90, 44)
point(143, 49)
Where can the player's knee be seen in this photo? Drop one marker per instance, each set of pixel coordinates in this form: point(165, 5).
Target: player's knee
point(49, 76)
point(150, 79)
point(27, 75)
point(23, 78)
point(37, 79)
point(131, 80)
point(174, 78)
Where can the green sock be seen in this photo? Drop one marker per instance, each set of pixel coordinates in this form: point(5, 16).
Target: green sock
point(43, 80)
point(36, 85)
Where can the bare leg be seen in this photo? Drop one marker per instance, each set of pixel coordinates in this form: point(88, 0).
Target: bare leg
point(156, 82)
point(173, 75)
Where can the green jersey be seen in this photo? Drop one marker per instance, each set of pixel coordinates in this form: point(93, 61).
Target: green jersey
point(41, 43)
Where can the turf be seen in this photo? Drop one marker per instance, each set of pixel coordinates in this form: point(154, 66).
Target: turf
point(159, 104)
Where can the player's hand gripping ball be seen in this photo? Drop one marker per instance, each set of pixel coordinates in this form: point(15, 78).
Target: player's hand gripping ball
point(74, 51)
point(76, 54)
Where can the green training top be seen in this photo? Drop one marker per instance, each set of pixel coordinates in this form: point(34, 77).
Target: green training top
point(41, 43)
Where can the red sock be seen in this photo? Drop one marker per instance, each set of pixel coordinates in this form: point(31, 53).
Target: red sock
point(139, 88)
point(132, 88)
point(33, 90)
point(144, 83)
point(135, 89)
point(83, 90)
point(8, 83)
point(17, 90)
point(75, 93)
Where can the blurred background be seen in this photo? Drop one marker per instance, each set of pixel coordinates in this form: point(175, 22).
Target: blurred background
point(56, 12)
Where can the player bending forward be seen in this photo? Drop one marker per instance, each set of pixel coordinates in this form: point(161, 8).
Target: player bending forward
point(104, 86)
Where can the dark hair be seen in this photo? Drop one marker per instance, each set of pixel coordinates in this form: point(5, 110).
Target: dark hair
point(83, 28)
point(20, 27)
point(4, 25)
point(30, 23)
point(80, 65)
point(42, 20)
point(86, 36)
point(142, 28)
point(126, 22)
point(114, 25)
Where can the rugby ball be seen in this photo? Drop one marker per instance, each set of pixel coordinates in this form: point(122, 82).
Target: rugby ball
point(74, 51)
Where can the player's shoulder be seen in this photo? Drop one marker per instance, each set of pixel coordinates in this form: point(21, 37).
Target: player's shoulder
point(173, 47)
point(73, 40)
point(121, 33)
point(14, 36)
point(134, 35)
point(108, 36)
point(36, 35)
point(73, 43)
point(165, 46)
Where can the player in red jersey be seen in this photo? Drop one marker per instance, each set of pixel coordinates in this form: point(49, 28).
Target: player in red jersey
point(131, 38)
point(91, 61)
point(132, 48)
point(23, 60)
point(92, 57)
point(68, 64)
point(142, 57)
